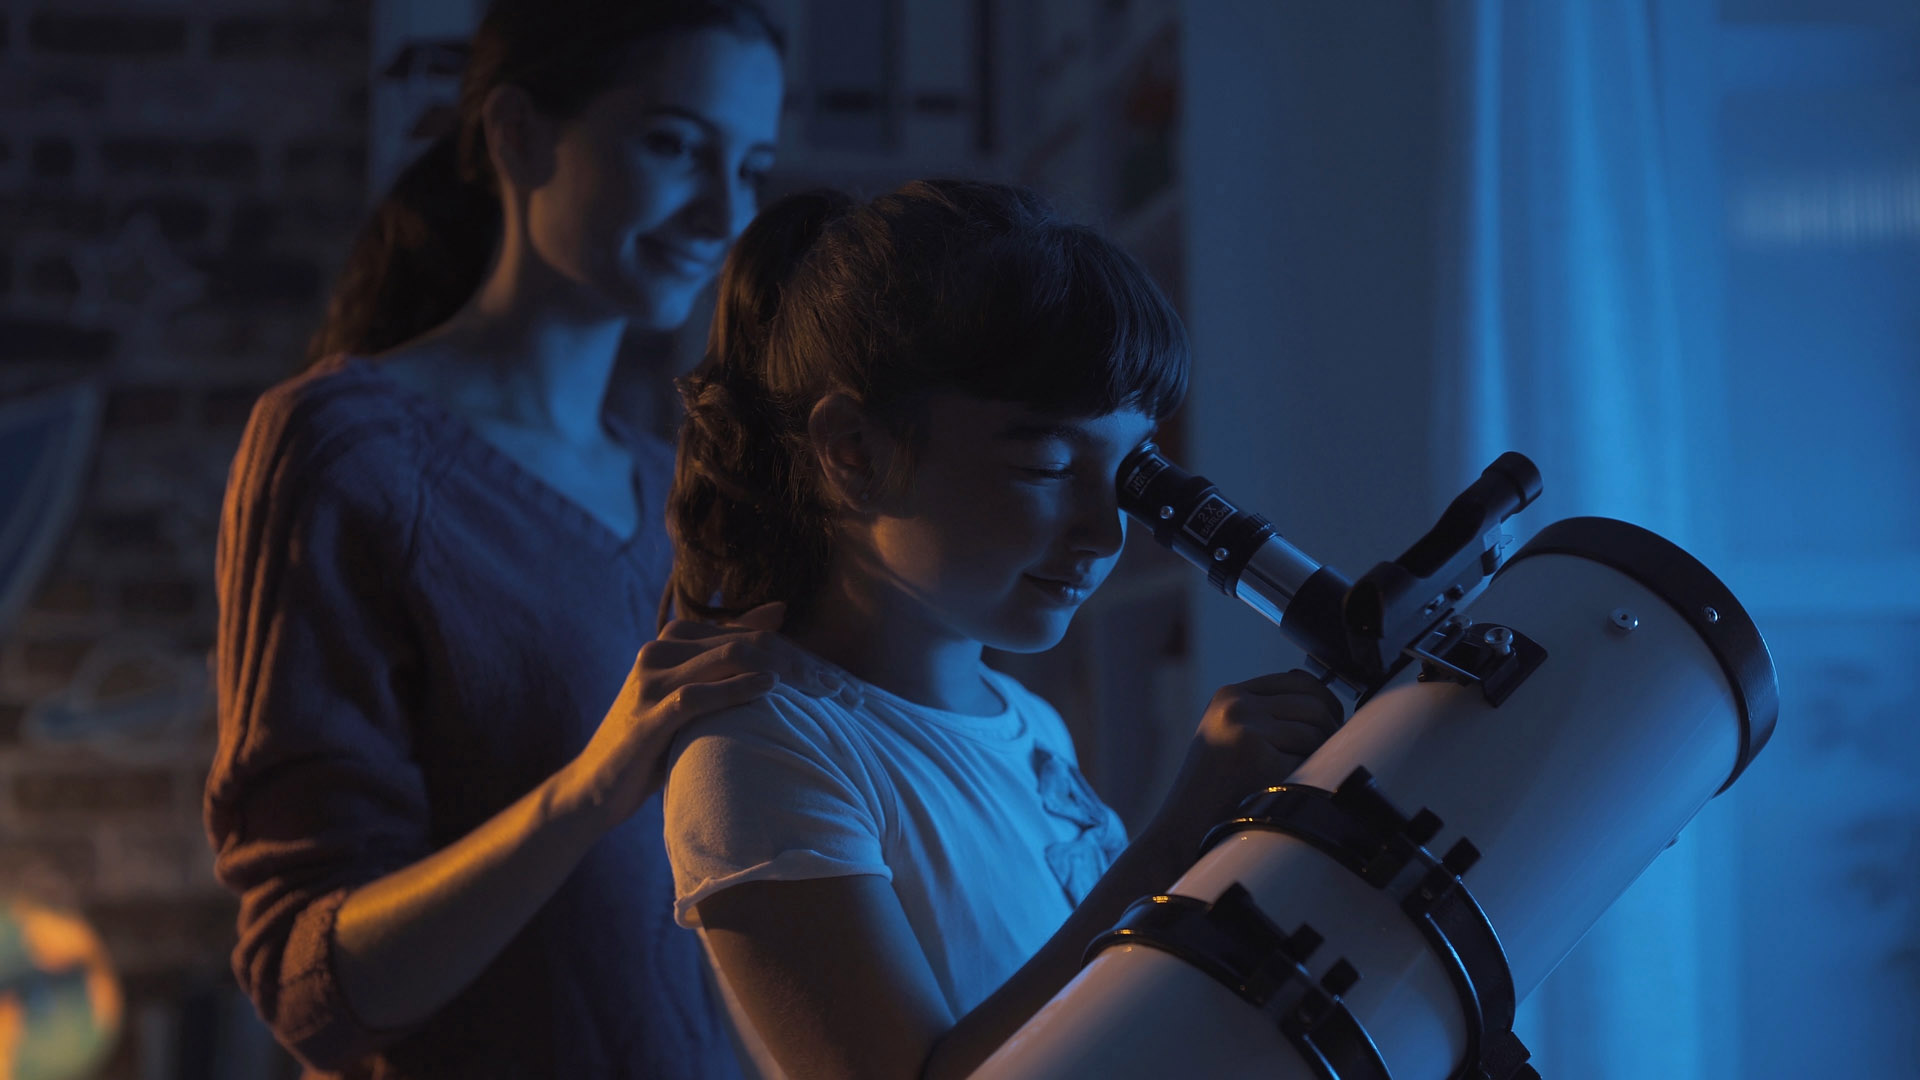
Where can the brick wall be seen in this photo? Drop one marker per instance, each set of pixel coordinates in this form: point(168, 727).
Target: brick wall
point(178, 183)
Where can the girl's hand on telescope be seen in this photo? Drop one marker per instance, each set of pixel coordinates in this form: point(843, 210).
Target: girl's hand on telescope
point(692, 669)
point(1253, 735)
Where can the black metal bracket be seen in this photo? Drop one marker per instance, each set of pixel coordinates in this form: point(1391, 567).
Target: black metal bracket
point(1497, 658)
point(1235, 943)
point(1362, 830)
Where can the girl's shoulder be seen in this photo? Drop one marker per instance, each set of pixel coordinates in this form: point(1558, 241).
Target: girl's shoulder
point(787, 719)
point(777, 745)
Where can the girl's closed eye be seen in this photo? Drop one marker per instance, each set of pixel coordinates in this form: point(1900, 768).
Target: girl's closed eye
point(666, 143)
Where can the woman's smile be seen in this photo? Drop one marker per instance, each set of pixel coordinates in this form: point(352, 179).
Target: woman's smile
point(676, 260)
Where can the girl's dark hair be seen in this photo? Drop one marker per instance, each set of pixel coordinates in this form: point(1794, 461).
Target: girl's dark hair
point(943, 285)
point(426, 247)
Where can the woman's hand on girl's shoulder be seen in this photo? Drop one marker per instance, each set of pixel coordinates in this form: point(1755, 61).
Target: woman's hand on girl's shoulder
point(1253, 735)
point(691, 670)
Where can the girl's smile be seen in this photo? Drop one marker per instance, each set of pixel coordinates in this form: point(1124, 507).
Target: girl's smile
point(1066, 594)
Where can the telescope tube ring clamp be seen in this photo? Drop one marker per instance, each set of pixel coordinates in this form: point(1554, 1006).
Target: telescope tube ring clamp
point(1362, 831)
point(1233, 941)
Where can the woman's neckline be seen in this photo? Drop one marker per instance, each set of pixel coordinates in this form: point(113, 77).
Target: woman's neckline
point(523, 480)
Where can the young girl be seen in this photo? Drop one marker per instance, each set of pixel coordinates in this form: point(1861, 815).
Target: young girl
point(907, 429)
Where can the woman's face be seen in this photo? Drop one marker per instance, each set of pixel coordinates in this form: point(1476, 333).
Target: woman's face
point(655, 177)
point(1009, 521)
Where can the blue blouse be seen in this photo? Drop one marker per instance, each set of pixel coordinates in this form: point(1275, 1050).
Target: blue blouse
point(414, 632)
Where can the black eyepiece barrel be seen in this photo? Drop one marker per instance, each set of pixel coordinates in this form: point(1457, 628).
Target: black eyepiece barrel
point(1241, 553)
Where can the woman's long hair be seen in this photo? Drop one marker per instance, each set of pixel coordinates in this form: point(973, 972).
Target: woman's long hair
point(941, 285)
point(427, 246)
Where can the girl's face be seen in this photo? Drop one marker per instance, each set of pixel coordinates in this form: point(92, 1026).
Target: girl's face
point(655, 178)
point(1009, 521)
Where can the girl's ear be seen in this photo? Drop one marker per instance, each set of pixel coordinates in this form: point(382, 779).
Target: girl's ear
point(855, 454)
point(520, 138)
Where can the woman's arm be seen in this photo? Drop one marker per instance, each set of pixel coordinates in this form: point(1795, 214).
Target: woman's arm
point(834, 981)
point(406, 943)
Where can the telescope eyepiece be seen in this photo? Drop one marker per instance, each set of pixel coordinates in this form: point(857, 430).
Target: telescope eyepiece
point(1240, 552)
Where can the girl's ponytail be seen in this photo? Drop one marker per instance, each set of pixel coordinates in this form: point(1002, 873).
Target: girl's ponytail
point(747, 529)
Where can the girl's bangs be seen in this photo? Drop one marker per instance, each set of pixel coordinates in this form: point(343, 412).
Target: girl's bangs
point(1072, 326)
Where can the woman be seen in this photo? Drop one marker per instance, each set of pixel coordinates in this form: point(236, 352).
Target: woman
point(438, 558)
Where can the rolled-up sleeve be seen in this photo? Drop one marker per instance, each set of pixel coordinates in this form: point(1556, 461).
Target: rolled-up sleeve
point(313, 790)
point(758, 793)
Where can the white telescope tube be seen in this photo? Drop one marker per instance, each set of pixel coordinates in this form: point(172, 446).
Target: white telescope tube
point(1655, 692)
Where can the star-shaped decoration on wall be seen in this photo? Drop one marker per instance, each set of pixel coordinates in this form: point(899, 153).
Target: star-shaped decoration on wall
point(133, 281)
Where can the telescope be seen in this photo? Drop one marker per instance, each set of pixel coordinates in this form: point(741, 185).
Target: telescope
point(1527, 734)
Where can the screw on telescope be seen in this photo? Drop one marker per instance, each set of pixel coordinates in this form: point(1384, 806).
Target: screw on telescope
point(1500, 638)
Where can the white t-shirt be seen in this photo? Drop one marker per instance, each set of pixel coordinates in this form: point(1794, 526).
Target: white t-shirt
point(984, 825)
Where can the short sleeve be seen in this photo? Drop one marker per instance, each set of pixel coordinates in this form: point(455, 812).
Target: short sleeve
point(768, 792)
point(313, 790)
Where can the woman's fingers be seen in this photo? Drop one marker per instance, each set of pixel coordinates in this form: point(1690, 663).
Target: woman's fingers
point(794, 666)
point(701, 698)
point(687, 703)
point(694, 630)
point(768, 616)
point(726, 652)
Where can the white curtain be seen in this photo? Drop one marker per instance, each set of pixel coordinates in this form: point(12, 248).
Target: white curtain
point(1577, 327)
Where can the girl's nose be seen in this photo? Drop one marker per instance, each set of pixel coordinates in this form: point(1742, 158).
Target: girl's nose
point(1101, 528)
